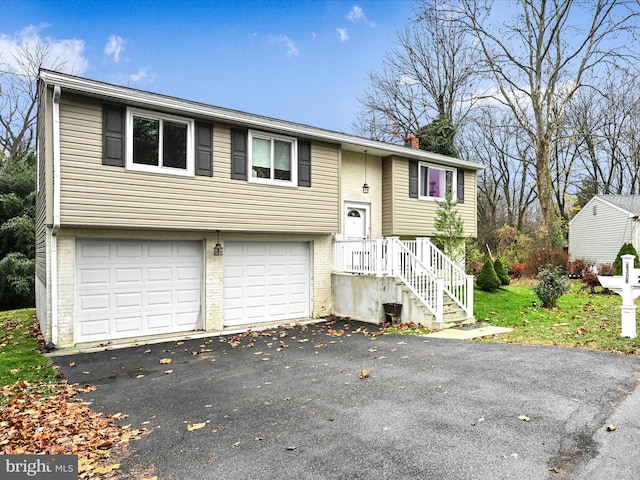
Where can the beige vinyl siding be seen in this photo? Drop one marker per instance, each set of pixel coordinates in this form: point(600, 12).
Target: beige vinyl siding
point(44, 150)
point(352, 179)
point(415, 217)
point(96, 195)
point(387, 196)
point(598, 238)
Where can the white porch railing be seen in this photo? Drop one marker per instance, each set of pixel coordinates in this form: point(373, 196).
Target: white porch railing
point(419, 264)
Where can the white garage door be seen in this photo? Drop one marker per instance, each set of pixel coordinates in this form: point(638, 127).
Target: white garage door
point(129, 288)
point(265, 282)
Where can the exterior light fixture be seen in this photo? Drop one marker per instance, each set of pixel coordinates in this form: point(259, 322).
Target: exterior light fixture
point(218, 250)
point(365, 187)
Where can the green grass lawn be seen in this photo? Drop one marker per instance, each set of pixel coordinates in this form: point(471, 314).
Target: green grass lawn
point(580, 320)
point(20, 358)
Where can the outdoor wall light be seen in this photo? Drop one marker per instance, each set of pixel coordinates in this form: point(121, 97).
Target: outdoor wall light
point(218, 250)
point(365, 187)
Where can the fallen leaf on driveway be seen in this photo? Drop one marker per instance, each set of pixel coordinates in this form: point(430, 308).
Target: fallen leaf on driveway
point(165, 360)
point(168, 371)
point(611, 428)
point(364, 374)
point(524, 417)
point(106, 469)
point(292, 448)
point(196, 426)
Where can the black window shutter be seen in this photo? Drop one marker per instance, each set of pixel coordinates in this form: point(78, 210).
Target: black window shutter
point(460, 189)
point(238, 154)
point(113, 135)
point(413, 178)
point(304, 163)
point(204, 149)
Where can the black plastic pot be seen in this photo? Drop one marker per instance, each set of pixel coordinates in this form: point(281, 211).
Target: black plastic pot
point(392, 312)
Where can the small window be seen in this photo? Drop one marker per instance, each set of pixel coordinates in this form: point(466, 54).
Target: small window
point(353, 213)
point(272, 159)
point(436, 182)
point(159, 143)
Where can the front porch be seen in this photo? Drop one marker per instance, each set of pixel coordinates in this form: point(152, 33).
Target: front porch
point(432, 289)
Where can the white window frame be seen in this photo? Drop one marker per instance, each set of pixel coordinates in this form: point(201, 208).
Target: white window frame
point(454, 182)
point(130, 165)
point(294, 159)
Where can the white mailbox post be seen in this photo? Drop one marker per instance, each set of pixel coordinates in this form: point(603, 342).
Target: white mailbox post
point(628, 287)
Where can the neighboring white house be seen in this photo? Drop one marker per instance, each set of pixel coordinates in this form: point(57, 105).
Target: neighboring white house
point(603, 225)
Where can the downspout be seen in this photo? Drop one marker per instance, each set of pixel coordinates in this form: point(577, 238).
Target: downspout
point(56, 214)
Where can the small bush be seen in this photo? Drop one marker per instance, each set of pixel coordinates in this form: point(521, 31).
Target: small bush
point(551, 286)
point(606, 269)
point(626, 249)
point(501, 272)
point(545, 257)
point(487, 278)
point(517, 270)
point(578, 267)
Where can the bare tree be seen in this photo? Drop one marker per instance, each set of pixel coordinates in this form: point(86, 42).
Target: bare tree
point(18, 99)
point(429, 71)
point(541, 59)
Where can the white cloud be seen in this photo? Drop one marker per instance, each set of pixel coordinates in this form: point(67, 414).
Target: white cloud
point(66, 55)
point(292, 50)
point(342, 33)
point(142, 75)
point(114, 47)
point(407, 81)
point(356, 14)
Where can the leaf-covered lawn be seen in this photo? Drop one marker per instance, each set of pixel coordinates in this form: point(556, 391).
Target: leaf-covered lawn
point(20, 344)
point(580, 320)
point(40, 416)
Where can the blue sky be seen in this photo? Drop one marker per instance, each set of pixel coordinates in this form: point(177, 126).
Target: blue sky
point(302, 61)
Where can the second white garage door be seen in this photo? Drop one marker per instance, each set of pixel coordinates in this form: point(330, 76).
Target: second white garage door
point(266, 282)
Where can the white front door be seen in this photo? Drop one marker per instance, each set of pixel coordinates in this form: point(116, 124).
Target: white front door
point(356, 221)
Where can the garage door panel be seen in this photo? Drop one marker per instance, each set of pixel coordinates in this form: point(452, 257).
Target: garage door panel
point(128, 324)
point(159, 321)
point(159, 250)
point(128, 250)
point(128, 275)
point(128, 300)
point(145, 287)
point(159, 298)
point(95, 302)
point(187, 274)
point(159, 274)
point(95, 276)
point(187, 297)
point(95, 327)
point(261, 279)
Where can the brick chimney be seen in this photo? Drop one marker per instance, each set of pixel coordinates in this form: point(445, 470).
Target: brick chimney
point(412, 141)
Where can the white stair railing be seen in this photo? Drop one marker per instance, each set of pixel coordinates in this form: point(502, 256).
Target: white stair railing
point(419, 264)
point(457, 284)
point(406, 266)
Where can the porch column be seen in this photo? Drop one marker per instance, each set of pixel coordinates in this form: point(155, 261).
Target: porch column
point(393, 255)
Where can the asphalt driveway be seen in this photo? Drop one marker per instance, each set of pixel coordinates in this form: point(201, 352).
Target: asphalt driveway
point(290, 403)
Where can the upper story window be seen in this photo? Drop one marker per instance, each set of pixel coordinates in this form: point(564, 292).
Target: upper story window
point(436, 182)
point(159, 143)
point(272, 159)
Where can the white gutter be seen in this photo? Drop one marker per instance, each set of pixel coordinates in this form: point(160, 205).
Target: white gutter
point(148, 99)
point(56, 213)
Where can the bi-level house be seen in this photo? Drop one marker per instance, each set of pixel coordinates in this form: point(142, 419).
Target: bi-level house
point(159, 216)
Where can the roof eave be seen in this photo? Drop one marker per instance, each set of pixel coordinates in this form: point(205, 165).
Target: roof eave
point(348, 142)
